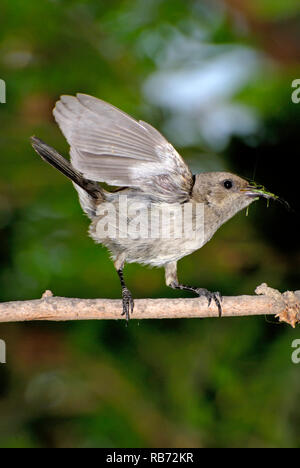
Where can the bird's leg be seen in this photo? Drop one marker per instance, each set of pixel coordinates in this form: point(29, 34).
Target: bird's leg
point(172, 281)
point(127, 299)
point(126, 296)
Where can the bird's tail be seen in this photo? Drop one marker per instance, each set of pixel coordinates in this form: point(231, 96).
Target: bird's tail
point(51, 156)
point(89, 192)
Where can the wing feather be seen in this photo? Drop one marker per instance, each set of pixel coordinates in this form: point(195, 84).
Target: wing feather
point(107, 145)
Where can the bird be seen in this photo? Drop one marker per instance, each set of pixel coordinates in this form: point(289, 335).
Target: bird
point(146, 179)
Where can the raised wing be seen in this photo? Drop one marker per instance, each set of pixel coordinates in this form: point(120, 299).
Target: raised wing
point(107, 145)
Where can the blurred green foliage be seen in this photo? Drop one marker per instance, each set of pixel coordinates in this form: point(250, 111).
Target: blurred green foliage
point(172, 383)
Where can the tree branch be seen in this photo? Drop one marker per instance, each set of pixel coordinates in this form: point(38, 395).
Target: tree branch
point(268, 301)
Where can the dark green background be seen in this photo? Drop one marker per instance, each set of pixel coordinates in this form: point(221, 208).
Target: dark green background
point(171, 383)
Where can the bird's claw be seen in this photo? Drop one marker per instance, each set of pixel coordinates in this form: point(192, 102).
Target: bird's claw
point(216, 296)
point(128, 303)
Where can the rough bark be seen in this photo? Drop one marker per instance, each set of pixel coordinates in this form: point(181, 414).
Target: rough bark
point(268, 301)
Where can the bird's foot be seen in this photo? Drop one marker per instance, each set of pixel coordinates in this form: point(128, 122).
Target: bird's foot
point(216, 296)
point(128, 303)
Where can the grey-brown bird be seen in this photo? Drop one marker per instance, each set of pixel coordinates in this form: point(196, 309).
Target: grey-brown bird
point(107, 145)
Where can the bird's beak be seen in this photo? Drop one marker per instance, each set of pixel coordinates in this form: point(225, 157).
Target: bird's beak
point(254, 190)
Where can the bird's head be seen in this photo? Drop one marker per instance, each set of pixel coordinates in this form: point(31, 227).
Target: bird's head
point(227, 193)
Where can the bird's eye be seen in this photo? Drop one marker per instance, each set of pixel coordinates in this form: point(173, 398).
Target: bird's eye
point(228, 184)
